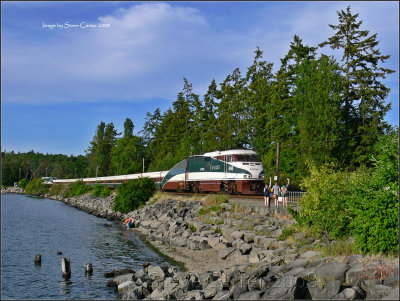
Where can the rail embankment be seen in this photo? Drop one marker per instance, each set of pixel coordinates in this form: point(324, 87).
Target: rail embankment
point(239, 250)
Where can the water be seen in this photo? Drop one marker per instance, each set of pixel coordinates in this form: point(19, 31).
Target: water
point(32, 226)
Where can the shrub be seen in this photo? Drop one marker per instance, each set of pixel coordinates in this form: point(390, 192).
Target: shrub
point(23, 183)
point(324, 205)
point(36, 187)
point(364, 203)
point(100, 191)
point(77, 188)
point(57, 189)
point(375, 201)
point(133, 194)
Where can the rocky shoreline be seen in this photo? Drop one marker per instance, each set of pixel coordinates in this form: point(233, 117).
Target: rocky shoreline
point(237, 253)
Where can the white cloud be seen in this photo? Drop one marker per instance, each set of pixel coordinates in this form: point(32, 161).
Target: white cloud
point(150, 46)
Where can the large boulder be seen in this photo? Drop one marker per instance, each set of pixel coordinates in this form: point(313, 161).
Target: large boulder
point(212, 288)
point(155, 272)
point(118, 272)
point(237, 235)
point(245, 248)
point(222, 295)
point(251, 295)
point(323, 292)
point(329, 272)
point(290, 287)
point(120, 279)
point(223, 254)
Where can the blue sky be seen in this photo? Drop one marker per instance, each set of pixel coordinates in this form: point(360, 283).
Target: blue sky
point(58, 84)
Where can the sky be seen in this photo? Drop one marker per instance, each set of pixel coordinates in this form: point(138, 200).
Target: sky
point(67, 66)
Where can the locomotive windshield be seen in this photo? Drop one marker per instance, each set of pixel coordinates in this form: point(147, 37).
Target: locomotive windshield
point(247, 158)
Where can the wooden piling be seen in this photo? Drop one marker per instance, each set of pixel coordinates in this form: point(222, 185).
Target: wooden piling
point(66, 267)
point(38, 259)
point(88, 268)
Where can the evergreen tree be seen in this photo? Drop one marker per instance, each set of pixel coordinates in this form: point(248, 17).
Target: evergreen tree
point(363, 94)
point(317, 101)
point(258, 91)
point(231, 109)
point(282, 125)
point(128, 128)
point(209, 115)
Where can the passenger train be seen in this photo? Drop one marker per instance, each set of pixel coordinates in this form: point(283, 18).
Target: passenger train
point(233, 171)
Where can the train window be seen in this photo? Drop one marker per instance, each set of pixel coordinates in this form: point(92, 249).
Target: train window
point(198, 159)
point(207, 159)
point(220, 158)
point(247, 158)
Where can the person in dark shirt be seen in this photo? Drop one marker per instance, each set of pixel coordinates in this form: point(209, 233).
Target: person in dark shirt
point(267, 193)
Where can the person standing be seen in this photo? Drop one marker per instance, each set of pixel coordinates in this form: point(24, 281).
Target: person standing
point(275, 193)
point(267, 193)
point(284, 193)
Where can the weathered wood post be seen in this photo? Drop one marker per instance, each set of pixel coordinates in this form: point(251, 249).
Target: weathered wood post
point(66, 267)
point(38, 259)
point(88, 268)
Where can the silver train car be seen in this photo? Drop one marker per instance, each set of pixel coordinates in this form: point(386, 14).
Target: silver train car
point(233, 171)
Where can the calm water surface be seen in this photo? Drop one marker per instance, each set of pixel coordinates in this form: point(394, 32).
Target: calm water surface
point(32, 226)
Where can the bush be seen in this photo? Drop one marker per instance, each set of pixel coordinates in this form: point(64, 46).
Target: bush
point(364, 203)
point(133, 194)
point(100, 191)
point(36, 187)
point(77, 188)
point(375, 201)
point(23, 183)
point(57, 189)
point(324, 205)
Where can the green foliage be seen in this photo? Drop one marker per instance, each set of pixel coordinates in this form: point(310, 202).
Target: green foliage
point(285, 233)
point(77, 188)
point(340, 247)
point(36, 187)
point(218, 230)
point(363, 92)
point(363, 203)
point(133, 194)
point(19, 166)
point(216, 199)
point(57, 189)
point(100, 191)
point(375, 200)
point(212, 203)
point(23, 183)
point(192, 228)
point(324, 205)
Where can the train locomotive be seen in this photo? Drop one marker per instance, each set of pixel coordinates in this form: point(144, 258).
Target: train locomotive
point(233, 171)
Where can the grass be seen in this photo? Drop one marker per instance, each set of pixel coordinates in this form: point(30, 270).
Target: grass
point(218, 230)
point(339, 248)
point(212, 203)
point(247, 225)
point(237, 208)
point(285, 233)
point(192, 228)
point(216, 199)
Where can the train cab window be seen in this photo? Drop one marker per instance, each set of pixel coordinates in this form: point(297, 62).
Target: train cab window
point(207, 159)
point(220, 158)
point(230, 158)
point(247, 158)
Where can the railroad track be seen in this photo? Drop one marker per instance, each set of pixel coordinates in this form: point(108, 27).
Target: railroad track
point(291, 198)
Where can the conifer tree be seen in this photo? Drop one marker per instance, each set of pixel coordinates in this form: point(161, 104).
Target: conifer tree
point(364, 94)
